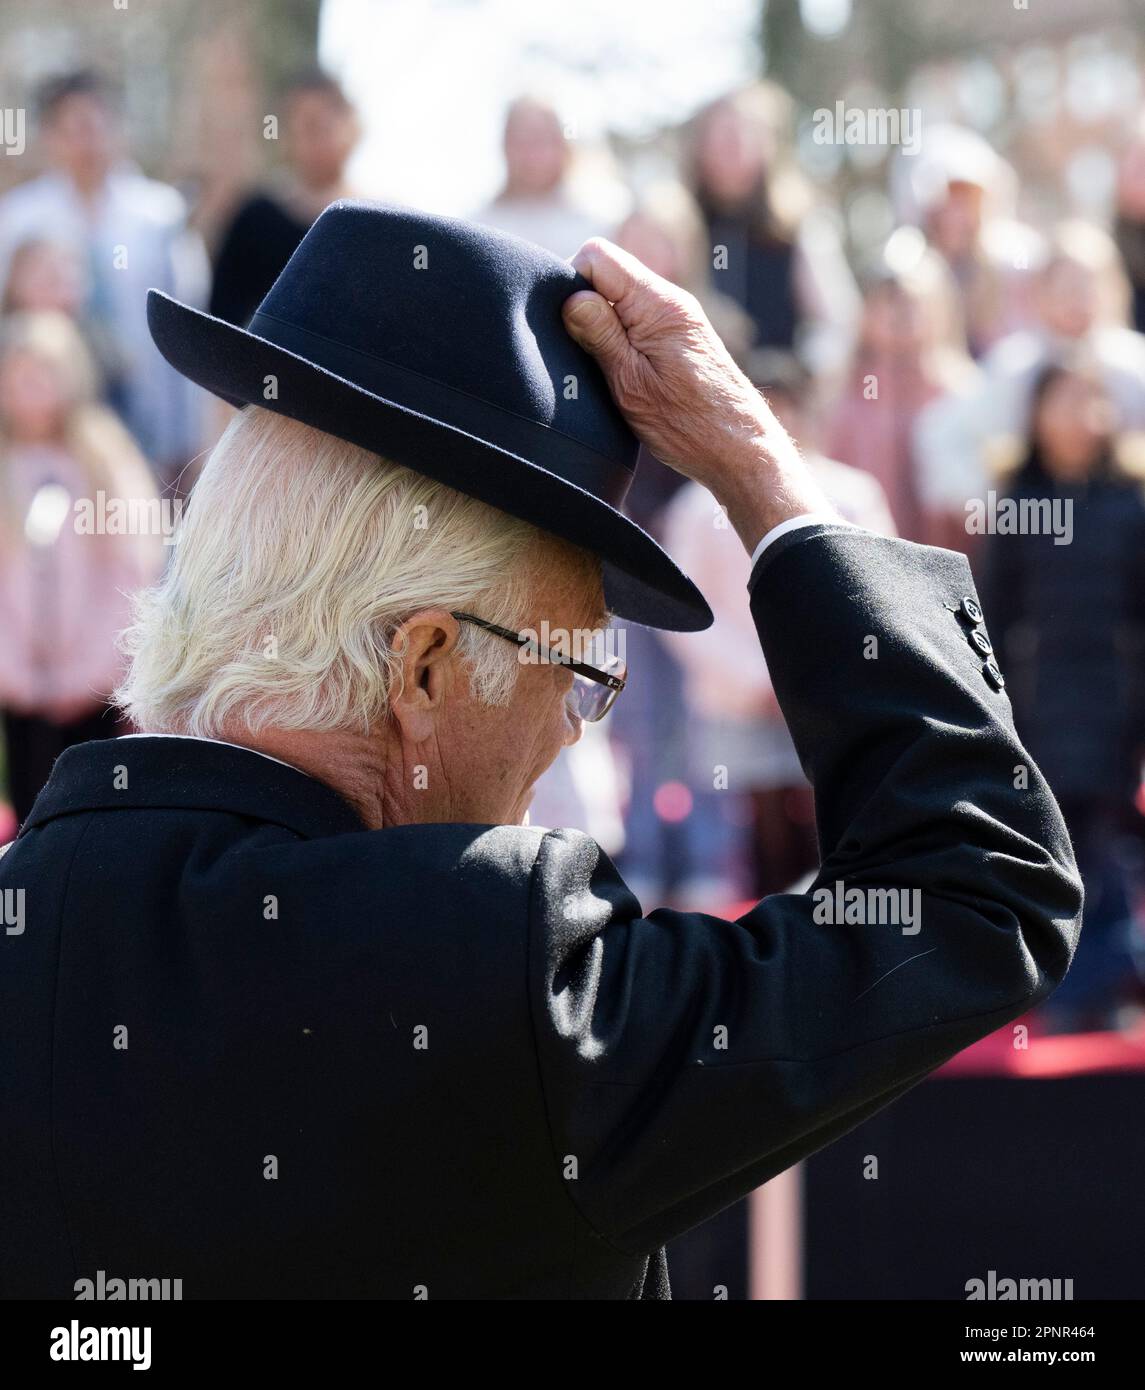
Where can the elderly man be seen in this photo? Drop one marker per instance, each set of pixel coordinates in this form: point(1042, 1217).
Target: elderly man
point(295, 1003)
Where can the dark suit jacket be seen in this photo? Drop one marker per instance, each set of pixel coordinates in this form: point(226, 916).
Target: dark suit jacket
point(249, 1044)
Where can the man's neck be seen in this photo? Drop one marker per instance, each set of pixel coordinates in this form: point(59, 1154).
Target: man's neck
point(351, 764)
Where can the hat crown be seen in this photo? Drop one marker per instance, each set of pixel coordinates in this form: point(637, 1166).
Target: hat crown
point(472, 309)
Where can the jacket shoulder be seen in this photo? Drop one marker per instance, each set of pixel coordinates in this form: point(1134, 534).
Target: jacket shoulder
point(450, 871)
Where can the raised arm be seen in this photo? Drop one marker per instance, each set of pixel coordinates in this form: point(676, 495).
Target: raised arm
point(687, 1059)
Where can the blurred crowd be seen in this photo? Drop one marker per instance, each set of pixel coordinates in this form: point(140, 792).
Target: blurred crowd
point(975, 382)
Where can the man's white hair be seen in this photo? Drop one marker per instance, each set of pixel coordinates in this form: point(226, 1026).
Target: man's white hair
point(298, 557)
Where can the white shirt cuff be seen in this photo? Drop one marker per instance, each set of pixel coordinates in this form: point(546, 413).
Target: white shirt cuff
point(793, 523)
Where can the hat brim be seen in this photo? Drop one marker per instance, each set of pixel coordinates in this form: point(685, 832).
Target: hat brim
point(641, 581)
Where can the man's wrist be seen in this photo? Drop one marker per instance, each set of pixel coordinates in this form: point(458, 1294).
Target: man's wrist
point(765, 485)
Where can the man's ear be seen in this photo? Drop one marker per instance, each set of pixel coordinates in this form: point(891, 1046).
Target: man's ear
point(423, 644)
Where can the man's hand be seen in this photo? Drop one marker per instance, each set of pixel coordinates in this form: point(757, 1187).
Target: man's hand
point(683, 395)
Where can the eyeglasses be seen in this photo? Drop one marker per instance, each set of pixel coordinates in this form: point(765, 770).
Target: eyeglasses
point(594, 689)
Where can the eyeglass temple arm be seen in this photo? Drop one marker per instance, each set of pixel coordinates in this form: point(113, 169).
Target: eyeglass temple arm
point(601, 677)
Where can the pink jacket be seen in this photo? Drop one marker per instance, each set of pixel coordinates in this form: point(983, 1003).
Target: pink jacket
point(878, 435)
point(64, 599)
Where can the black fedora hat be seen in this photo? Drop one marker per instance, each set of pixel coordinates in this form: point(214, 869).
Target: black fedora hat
point(439, 344)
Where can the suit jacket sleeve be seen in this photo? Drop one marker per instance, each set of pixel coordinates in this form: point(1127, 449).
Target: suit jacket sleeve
point(685, 1059)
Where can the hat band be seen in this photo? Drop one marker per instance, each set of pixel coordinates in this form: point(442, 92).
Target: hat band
point(536, 443)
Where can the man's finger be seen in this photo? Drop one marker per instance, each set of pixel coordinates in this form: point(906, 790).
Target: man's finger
point(610, 270)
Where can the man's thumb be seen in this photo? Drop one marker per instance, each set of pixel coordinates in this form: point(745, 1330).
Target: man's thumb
point(592, 321)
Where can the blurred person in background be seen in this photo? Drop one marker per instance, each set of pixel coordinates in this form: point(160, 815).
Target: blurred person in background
point(773, 253)
point(1129, 221)
point(1082, 299)
point(64, 593)
point(737, 731)
point(46, 276)
point(541, 198)
point(320, 129)
point(1068, 620)
point(130, 234)
point(909, 352)
point(962, 194)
